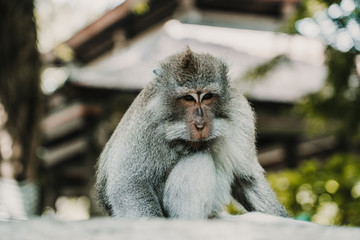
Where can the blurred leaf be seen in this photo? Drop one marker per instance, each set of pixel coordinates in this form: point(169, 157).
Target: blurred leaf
point(140, 8)
point(307, 185)
point(232, 209)
point(260, 71)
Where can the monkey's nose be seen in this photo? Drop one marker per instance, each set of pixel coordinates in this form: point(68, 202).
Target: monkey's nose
point(199, 124)
point(199, 112)
point(199, 120)
point(199, 127)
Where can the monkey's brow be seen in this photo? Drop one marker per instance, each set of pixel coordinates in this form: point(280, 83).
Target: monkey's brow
point(210, 88)
point(181, 91)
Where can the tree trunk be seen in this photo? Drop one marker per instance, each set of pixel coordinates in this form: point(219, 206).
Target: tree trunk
point(20, 92)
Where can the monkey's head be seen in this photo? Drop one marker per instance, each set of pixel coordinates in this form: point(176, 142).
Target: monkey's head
point(195, 89)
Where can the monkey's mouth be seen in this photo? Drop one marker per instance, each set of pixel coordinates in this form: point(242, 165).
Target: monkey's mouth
point(191, 135)
point(199, 133)
point(199, 138)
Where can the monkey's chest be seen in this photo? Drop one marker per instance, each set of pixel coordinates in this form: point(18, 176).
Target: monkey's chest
point(195, 188)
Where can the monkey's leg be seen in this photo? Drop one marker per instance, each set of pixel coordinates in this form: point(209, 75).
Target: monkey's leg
point(256, 195)
point(190, 188)
point(131, 199)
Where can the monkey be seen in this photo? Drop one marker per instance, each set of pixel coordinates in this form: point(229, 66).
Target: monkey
point(185, 147)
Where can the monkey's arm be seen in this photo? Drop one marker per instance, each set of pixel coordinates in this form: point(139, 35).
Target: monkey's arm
point(249, 185)
point(256, 195)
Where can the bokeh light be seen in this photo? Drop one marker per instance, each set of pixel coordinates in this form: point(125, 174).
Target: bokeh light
point(338, 26)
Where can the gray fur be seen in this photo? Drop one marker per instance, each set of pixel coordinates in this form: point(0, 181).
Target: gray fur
point(148, 169)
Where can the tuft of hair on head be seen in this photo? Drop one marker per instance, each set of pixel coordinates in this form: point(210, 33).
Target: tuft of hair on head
point(187, 61)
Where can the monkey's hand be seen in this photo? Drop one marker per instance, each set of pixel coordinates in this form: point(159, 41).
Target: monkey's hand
point(256, 195)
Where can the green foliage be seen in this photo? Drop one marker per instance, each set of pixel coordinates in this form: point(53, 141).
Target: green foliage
point(232, 209)
point(325, 193)
point(263, 69)
point(306, 8)
point(334, 108)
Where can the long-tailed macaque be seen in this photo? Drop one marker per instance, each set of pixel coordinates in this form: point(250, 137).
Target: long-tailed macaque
point(185, 146)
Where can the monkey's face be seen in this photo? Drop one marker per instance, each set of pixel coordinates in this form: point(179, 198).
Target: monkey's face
point(197, 107)
point(194, 88)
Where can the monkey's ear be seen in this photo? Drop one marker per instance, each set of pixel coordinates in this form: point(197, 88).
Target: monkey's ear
point(157, 72)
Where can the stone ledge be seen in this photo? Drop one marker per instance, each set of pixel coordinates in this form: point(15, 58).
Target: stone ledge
point(247, 226)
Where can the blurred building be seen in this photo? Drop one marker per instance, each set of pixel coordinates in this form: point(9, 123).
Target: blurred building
point(109, 61)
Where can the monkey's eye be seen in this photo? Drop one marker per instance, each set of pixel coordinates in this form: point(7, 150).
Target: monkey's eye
point(188, 98)
point(207, 96)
